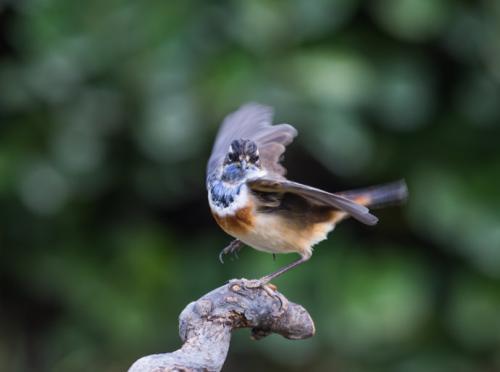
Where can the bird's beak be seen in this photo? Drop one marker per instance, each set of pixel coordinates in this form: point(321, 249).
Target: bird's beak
point(243, 164)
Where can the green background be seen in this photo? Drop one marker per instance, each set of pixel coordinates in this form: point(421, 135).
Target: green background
point(108, 110)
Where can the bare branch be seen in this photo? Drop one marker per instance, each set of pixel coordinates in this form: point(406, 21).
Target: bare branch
point(205, 325)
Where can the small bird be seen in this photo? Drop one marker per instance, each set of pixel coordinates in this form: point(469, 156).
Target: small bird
point(251, 199)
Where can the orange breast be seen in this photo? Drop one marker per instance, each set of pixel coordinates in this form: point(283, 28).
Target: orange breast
point(237, 224)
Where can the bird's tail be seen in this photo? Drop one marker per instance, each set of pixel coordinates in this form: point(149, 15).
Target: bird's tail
point(380, 196)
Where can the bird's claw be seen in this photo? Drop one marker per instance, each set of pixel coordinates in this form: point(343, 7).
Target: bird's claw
point(232, 248)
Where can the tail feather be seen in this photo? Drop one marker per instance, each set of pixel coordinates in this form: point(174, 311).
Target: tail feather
point(380, 196)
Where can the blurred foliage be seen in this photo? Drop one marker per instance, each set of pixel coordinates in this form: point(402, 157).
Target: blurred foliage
point(107, 114)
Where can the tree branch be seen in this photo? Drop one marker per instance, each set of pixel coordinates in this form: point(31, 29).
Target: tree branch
point(205, 325)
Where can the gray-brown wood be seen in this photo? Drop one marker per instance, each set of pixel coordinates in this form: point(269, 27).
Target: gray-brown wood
point(205, 325)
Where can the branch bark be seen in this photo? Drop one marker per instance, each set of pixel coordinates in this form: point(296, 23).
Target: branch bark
point(205, 325)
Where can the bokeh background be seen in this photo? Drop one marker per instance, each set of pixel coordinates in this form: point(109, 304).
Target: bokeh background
point(108, 110)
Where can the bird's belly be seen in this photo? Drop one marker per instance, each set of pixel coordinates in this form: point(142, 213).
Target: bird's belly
point(273, 233)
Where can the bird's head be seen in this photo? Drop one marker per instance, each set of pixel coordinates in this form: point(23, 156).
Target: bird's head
point(242, 160)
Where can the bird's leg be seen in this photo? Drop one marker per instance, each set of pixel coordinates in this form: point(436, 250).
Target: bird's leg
point(233, 247)
point(266, 279)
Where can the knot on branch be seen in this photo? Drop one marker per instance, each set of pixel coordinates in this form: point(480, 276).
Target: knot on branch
point(205, 325)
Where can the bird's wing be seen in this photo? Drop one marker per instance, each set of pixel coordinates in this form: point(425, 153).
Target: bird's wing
point(313, 195)
point(254, 122)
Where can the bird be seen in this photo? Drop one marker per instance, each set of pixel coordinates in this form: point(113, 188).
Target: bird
point(251, 199)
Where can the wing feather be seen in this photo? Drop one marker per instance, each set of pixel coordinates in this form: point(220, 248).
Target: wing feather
point(314, 195)
point(254, 122)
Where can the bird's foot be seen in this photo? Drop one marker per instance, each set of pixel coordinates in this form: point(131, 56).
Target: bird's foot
point(233, 248)
point(269, 288)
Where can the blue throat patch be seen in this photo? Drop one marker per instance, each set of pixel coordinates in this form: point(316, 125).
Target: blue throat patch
point(222, 196)
point(232, 173)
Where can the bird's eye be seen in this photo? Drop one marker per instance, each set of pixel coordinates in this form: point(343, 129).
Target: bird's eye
point(254, 159)
point(232, 157)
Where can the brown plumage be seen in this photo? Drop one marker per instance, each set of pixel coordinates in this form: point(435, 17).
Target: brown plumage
point(238, 224)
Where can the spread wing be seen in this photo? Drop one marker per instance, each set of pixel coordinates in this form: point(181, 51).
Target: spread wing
point(254, 122)
point(315, 196)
